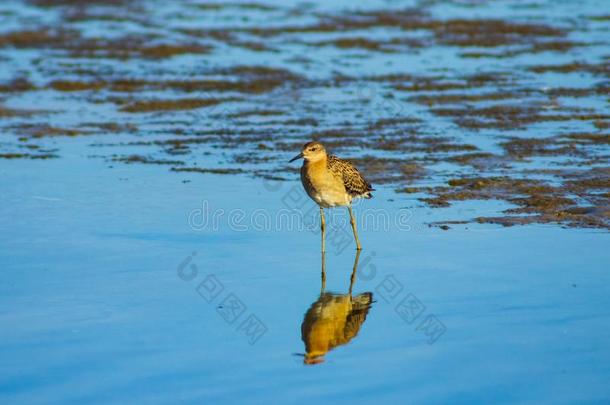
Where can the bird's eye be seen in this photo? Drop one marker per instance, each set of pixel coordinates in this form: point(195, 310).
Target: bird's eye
point(312, 149)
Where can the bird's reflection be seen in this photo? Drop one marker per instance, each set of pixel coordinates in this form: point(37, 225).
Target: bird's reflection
point(333, 319)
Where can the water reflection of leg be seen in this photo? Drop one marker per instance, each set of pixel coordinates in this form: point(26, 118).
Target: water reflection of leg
point(323, 228)
point(354, 271)
point(323, 287)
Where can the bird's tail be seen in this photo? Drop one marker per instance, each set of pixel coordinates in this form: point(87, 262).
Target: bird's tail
point(363, 300)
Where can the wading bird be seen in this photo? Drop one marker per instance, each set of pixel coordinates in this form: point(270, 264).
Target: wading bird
point(331, 182)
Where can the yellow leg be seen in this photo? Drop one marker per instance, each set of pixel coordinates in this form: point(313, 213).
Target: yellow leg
point(354, 272)
point(352, 221)
point(323, 287)
point(323, 228)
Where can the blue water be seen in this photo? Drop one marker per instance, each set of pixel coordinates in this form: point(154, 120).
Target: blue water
point(132, 283)
point(93, 308)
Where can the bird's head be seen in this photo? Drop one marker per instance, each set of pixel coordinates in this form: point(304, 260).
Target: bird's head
point(312, 152)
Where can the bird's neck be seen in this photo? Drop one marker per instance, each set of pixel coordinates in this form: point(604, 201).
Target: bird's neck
point(318, 162)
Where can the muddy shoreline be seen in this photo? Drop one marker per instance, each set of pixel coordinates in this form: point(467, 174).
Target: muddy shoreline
point(443, 109)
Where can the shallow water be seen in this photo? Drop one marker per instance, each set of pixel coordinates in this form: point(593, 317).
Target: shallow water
point(94, 306)
point(105, 249)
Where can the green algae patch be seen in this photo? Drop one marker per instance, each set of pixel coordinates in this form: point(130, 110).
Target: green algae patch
point(393, 122)
point(17, 85)
point(589, 138)
point(512, 116)
point(255, 113)
point(77, 46)
point(230, 5)
point(366, 44)
point(111, 127)
point(6, 112)
point(43, 130)
point(208, 170)
point(145, 160)
point(433, 99)
point(482, 32)
point(67, 85)
point(77, 3)
point(527, 147)
point(168, 50)
point(537, 201)
point(171, 105)
point(241, 79)
point(476, 159)
point(42, 156)
point(601, 69)
point(43, 38)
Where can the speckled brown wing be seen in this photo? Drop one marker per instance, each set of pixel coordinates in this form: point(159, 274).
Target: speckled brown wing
point(357, 316)
point(353, 181)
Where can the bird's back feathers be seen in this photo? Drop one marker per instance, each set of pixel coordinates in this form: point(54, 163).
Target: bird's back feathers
point(354, 182)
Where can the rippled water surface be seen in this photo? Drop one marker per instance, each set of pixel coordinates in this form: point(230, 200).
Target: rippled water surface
point(150, 253)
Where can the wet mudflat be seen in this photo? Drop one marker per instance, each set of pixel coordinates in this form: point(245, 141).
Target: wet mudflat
point(484, 126)
point(424, 96)
point(102, 297)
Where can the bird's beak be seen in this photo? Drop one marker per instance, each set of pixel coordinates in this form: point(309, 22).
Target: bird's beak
point(299, 156)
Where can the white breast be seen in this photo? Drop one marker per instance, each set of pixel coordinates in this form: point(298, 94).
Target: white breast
point(328, 197)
